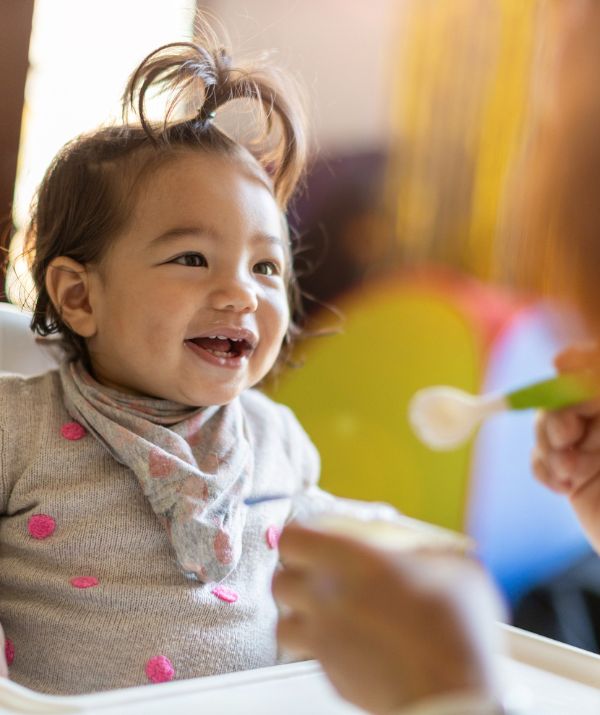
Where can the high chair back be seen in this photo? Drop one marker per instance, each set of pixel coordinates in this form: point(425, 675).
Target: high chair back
point(19, 351)
point(352, 394)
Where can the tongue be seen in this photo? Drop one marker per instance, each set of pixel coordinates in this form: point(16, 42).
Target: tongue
point(217, 344)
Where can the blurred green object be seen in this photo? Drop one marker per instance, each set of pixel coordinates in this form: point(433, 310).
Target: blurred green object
point(352, 392)
point(554, 393)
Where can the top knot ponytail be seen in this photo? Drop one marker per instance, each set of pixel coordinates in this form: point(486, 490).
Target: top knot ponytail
point(199, 79)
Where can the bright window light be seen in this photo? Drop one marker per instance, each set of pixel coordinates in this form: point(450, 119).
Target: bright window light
point(81, 54)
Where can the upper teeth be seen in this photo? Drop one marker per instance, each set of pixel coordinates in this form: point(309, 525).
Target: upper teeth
point(224, 337)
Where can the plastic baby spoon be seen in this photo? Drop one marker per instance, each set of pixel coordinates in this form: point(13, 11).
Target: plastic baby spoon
point(445, 417)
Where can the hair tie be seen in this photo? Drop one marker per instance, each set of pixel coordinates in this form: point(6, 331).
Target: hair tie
point(205, 116)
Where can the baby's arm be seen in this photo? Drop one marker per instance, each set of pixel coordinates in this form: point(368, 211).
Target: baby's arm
point(566, 457)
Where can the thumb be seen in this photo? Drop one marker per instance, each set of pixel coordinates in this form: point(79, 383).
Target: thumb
point(577, 358)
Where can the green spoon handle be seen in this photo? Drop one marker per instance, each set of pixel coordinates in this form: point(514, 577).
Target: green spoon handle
point(553, 394)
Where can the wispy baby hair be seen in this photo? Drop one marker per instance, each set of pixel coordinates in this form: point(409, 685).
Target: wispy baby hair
point(87, 194)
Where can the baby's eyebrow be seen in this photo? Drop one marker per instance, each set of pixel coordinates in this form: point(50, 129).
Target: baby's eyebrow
point(173, 234)
point(178, 232)
point(268, 238)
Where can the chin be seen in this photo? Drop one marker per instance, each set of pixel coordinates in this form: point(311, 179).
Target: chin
point(207, 398)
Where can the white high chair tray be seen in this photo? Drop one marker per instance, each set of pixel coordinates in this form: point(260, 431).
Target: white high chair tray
point(553, 678)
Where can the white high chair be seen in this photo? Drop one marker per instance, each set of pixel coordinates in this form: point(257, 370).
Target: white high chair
point(19, 351)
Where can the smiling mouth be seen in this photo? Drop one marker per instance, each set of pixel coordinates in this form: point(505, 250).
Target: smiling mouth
point(222, 347)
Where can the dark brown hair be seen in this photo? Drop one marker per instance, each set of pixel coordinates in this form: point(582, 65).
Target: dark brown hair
point(88, 191)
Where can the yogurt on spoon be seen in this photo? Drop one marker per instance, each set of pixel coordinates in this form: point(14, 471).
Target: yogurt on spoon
point(444, 417)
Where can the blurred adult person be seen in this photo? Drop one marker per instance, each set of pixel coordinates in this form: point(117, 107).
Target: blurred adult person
point(411, 633)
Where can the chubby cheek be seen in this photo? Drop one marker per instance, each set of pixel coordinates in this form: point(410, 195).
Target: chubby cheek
point(277, 321)
point(161, 336)
point(149, 325)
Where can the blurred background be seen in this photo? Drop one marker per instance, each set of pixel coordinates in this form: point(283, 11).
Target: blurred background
point(420, 114)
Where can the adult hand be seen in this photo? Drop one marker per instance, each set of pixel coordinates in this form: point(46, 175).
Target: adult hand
point(566, 457)
point(389, 629)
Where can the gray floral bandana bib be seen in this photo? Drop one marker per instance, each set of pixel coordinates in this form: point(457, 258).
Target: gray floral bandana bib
point(193, 464)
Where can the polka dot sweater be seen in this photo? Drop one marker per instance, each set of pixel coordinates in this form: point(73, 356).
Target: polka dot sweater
point(91, 595)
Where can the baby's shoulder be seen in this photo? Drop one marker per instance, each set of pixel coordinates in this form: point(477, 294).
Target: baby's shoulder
point(264, 413)
point(28, 399)
point(269, 421)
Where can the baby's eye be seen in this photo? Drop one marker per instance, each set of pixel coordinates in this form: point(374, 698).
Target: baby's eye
point(267, 268)
point(193, 260)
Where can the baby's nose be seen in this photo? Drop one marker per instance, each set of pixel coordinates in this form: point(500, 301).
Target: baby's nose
point(237, 295)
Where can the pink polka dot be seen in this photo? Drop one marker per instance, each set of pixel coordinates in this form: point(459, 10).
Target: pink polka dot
point(160, 463)
point(73, 431)
point(225, 594)
point(273, 534)
point(84, 581)
point(9, 651)
point(222, 547)
point(159, 669)
point(41, 526)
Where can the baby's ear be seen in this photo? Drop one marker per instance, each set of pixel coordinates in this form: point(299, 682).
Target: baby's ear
point(68, 285)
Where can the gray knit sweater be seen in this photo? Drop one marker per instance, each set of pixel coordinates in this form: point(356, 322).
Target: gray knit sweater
point(91, 596)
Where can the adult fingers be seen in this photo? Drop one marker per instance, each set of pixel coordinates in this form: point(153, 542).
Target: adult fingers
point(562, 468)
point(573, 427)
point(575, 466)
point(299, 545)
point(560, 429)
point(578, 357)
point(293, 634)
point(591, 440)
point(311, 549)
point(292, 588)
point(541, 435)
point(555, 477)
point(589, 409)
point(544, 474)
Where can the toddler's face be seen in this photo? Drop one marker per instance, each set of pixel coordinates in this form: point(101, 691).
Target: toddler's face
point(191, 299)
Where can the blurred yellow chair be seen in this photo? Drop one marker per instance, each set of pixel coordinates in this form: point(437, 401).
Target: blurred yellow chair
point(352, 393)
